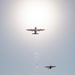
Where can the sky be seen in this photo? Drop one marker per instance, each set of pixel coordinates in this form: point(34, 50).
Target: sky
point(22, 53)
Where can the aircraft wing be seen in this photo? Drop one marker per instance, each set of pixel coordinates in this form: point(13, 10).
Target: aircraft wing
point(40, 29)
point(47, 66)
point(53, 66)
point(30, 29)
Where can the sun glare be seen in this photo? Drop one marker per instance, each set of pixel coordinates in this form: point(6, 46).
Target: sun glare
point(36, 14)
point(29, 14)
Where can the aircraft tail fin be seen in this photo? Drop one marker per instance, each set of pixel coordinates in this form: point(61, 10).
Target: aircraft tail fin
point(35, 33)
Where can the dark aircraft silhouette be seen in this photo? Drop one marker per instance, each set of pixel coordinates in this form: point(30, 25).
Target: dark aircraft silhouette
point(50, 67)
point(35, 30)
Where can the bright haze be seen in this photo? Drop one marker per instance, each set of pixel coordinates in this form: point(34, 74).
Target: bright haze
point(22, 53)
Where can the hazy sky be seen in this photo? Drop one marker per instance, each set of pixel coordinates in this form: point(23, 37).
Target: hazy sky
point(21, 52)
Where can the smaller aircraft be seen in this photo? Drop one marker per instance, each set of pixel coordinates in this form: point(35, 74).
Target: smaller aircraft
point(35, 30)
point(50, 67)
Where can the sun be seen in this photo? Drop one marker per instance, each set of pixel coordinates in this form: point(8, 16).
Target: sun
point(35, 13)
